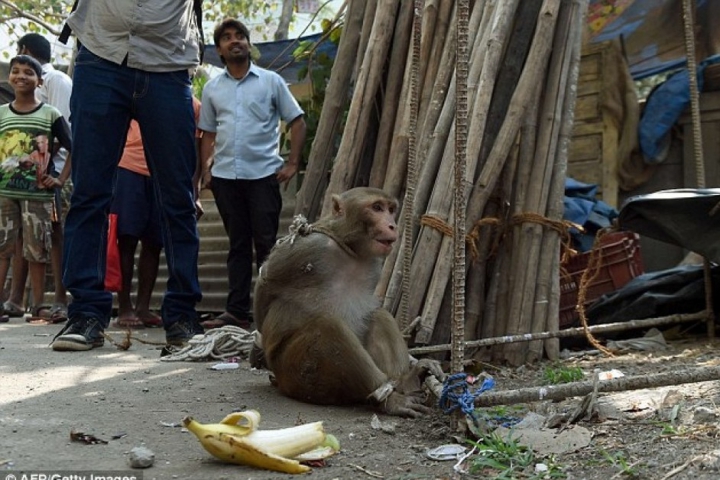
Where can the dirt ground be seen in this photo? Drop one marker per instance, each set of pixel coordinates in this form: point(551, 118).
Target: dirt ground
point(44, 395)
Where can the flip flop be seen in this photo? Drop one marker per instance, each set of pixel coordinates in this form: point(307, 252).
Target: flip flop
point(58, 313)
point(128, 321)
point(151, 320)
point(223, 320)
point(12, 310)
point(40, 315)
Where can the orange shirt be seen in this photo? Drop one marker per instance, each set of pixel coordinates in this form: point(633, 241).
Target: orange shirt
point(133, 157)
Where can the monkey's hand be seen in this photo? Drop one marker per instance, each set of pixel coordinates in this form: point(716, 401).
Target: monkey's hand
point(405, 405)
point(411, 382)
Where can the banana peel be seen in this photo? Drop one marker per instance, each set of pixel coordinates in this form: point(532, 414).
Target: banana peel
point(236, 439)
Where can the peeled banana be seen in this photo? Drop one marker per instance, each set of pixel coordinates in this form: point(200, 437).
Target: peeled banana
point(236, 440)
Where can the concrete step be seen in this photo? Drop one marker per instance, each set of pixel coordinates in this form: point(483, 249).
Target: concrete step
point(212, 259)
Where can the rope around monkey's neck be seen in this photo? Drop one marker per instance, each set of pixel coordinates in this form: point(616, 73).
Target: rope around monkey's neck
point(300, 226)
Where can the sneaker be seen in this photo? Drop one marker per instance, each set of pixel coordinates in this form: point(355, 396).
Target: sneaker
point(183, 330)
point(79, 334)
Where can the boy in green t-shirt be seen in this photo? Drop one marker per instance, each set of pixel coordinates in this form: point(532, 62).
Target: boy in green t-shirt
point(28, 129)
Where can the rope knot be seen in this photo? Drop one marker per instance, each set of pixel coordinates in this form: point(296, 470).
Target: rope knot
point(456, 394)
point(299, 226)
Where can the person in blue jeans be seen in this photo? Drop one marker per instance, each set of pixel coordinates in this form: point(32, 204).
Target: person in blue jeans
point(133, 63)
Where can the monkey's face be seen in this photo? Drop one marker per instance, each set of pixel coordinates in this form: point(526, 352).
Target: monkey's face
point(364, 220)
point(380, 221)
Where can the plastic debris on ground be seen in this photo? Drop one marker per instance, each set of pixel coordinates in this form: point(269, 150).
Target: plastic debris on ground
point(446, 452)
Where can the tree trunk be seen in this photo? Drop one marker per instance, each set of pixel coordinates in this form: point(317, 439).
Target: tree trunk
point(284, 22)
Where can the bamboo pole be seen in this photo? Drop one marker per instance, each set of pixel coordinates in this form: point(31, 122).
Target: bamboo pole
point(399, 151)
point(532, 281)
point(489, 174)
point(444, 12)
point(310, 195)
point(393, 88)
point(429, 239)
point(515, 56)
point(497, 292)
point(476, 270)
point(577, 389)
point(367, 23)
point(397, 159)
point(569, 332)
point(366, 87)
point(439, 93)
point(550, 262)
point(443, 132)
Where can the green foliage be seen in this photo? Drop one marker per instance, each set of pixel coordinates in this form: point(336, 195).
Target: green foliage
point(619, 461)
point(22, 16)
point(264, 11)
point(198, 84)
point(560, 374)
point(500, 458)
point(316, 71)
point(48, 16)
point(669, 430)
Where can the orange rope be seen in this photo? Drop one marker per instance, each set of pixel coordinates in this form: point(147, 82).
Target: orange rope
point(562, 227)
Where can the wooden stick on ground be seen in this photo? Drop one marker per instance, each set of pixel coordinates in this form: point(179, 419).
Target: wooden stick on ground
point(578, 389)
point(570, 332)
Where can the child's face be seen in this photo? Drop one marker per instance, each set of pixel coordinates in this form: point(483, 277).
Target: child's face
point(23, 78)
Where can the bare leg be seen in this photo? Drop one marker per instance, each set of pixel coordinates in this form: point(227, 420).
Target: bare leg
point(20, 274)
point(126, 312)
point(4, 269)
point(147, 274)
point(37, 282)
point(56, 260)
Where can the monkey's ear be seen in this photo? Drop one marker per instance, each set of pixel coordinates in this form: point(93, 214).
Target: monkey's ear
point(337, 208)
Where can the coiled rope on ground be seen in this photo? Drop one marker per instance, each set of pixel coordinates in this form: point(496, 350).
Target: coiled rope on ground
point(218, 344)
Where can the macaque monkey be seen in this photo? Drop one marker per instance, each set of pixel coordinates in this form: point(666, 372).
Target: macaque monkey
point(325, 336)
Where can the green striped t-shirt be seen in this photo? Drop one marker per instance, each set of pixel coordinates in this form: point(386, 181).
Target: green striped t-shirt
point(26, 147)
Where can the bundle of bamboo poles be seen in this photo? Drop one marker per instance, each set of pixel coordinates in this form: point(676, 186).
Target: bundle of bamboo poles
point(522, 77)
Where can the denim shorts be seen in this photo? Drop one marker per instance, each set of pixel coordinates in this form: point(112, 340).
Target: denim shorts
point(34, 218)
point(136, 207)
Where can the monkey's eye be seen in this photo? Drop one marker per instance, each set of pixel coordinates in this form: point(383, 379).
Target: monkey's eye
point(378, 207)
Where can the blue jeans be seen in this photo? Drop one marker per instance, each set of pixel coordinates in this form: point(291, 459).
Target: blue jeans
point(105, 96)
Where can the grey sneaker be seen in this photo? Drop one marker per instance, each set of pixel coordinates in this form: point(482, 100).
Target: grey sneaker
point(79, 334)
point(183, 330)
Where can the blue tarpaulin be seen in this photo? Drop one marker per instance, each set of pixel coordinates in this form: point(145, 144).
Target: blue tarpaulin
point(652, 33)
point(277, 56)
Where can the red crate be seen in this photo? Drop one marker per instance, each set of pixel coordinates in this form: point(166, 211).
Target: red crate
point(620, 262)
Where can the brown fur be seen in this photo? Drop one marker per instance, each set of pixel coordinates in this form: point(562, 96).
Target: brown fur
point(325, 336)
